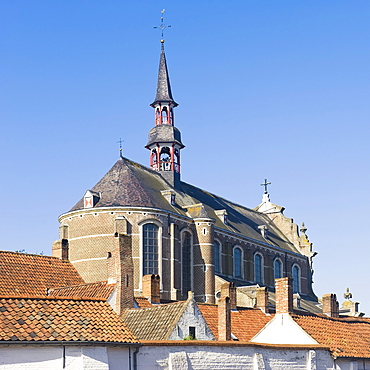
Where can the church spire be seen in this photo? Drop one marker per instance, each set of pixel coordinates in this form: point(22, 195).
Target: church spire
point(164, 140)
point(164, 93)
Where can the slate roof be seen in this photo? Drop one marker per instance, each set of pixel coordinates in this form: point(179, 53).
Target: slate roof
point(31, 274)
point(51, 319)
point(130, 184)
point(155, 323)
point(163, 93)
point(245, 323)
point(346, 337)
point(101, 290)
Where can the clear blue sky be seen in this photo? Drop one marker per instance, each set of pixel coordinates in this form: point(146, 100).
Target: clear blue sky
point(267, 89)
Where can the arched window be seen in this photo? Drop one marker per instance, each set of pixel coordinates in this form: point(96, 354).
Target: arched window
point(150, 249)
point(258, 265)
point(186, 262)
point(217, 256)
point(164, 115)
point(278, 273)
point(238, 259)
point(296, 272)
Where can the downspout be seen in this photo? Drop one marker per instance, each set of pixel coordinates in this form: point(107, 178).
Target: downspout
point(135, 357)
point(129, 358)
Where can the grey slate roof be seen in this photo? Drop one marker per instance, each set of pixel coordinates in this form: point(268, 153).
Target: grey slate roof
point(163, 93)
point(130, 184)
point(164, 134)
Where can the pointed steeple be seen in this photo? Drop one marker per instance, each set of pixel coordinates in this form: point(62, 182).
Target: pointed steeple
point(164, 141)
point(164, 93)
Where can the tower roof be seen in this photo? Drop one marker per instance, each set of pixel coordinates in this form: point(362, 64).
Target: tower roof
point(163, 93)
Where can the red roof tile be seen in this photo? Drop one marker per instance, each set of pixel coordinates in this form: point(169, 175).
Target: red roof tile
point(349, 337)
point(32, 274)
point(99, 290)
point(245, 323)
point(53, 319)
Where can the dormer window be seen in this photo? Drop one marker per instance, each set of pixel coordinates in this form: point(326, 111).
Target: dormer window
point(91, 198)
point(263, 230)
point(222, 215)
point(170, 196)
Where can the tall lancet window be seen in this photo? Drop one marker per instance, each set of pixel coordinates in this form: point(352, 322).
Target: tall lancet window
point(296, 272)
point(150, 249)
point(217, 256)
point(278, 269)
point(238, 258)
point(258, 273)
point(186, 262)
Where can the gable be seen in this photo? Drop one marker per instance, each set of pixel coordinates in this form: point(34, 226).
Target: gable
point(282, 329)
point(191, 317)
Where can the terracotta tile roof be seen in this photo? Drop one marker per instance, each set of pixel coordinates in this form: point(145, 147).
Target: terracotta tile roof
point(245, 323)
point(349, 337)
point(32, 274)
point(143, 302)
point(99, 290)
point(154, 323)
point(51, 319)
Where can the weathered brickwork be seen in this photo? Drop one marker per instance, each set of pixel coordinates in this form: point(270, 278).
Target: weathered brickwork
point(90, 236)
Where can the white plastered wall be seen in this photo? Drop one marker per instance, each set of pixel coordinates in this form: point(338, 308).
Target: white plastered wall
point(232, 357)
point(191, 317)
point(282, 329)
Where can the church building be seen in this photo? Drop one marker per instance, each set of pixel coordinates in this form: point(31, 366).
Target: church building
point(140, 220)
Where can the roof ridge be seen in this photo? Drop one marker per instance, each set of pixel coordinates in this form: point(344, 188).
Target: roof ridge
point(348, 319)
point(80, 285)
point(32, 254)
point(49, 298)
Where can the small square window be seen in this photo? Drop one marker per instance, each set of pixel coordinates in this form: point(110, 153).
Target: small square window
point(192, 332)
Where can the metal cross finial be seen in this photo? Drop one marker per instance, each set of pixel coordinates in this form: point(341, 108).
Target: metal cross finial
point(265, 184)
point(162, 27)
point(120, 141)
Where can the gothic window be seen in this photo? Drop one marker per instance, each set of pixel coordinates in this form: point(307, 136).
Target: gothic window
point(150, 249)
point(217, 256)
point(296, 272)
point(186, 262)
point(277, 269)
point(258, 273)
point(238, 259)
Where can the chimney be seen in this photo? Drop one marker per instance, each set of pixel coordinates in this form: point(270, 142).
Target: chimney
point(224, 319)
point(111, 268)
point(330, 306)
point(60, 249)
point(121, 269)
point(151, 288)
point(262, 299)
point(284, 295)
point(229, 290)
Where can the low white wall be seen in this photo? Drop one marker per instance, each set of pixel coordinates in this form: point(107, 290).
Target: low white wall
point(49, 357)
point(191, 357)
point(348, 364)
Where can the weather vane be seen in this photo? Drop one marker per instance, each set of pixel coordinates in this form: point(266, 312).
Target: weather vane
point(266, 184)
point(162, 27)
point(120, 141)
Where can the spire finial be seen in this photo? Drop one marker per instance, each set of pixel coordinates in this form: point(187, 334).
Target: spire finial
point(162, 27)
point(266, 184)
point(120, 141)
